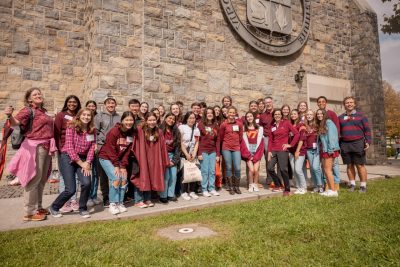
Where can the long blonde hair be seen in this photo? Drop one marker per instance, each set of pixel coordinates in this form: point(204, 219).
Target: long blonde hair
point(78, 125)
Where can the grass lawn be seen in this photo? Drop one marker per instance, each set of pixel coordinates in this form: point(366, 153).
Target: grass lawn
point(352, 230)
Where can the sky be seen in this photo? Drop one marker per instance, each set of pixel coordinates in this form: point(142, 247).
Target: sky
point(390, 45)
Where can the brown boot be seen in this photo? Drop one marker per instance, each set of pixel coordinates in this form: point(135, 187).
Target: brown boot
point(229, 181)
point(236, 184)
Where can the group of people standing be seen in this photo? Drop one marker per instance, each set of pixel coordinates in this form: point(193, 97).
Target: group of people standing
point(136, 156)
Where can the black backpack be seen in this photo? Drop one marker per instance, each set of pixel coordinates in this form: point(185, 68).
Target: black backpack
point(18, 134)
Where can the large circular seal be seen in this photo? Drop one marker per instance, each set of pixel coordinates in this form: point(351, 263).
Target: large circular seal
point(263, 46)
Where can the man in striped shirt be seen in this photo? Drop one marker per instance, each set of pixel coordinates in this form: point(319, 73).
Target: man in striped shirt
point(355, 138)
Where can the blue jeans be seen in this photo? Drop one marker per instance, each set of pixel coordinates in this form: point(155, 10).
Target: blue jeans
point(230, 156)
point(95, 179)
point(116, 193)
point(169, 180)
point(299, 170)
point(141, 196)
point(208, 171)
point(315, 166)
point(336, 171)
point(69, 172)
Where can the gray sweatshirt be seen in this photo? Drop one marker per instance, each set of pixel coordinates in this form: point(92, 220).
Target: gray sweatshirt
point(104, 122)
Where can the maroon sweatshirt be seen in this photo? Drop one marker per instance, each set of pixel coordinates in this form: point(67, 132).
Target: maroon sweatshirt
point(209, 139)
point(279, 136)
point(60, 127)
point(231, 135)
point(266, 121)
point(115, 145)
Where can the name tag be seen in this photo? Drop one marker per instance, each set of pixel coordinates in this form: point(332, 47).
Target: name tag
point(314, 145)
point(235, 128)
point(346, 118)
point(89, 137)
point(273, 129)
point(257, 120)
point(129, 139)
point(291, 134)
point(151, 138)
point(68, 117)
point(208, 129)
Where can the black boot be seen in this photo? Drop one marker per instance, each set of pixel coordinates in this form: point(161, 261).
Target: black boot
point(236, 183)
point(229, 181)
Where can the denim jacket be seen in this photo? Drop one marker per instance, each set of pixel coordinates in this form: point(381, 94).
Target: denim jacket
point(330, 140)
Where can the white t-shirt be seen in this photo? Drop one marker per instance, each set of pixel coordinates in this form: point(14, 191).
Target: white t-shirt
point(186, 133)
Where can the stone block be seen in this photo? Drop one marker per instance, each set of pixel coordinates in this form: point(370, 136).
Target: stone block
point(119, 18)
point(133, 76)
point(107, 81)
point(20, 46)
point(108, 28)
point(119, 62)
point(174, 70)
point(31, 74)
point(165, 88)
point(153, 11)
point(46, 3)
point(130, 52)
point(182, 12)
point(151, 86)
point(6, 3)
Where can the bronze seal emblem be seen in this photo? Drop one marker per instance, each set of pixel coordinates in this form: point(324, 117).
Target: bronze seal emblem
point(273, 27)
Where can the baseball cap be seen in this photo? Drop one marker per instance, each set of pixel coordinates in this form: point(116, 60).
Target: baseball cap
point(110, 97)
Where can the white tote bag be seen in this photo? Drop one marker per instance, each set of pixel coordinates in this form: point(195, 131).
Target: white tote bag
point(191, 173)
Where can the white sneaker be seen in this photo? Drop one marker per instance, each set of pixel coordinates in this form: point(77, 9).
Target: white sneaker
point(214, 193)
point(193, 195)
point(300, 191)
point(185, 196)
point(206, 194)
point(255, 188)
point(122, 208)
point(113, 209)
point(251, 188)
point(90, 203)
point(332, 193)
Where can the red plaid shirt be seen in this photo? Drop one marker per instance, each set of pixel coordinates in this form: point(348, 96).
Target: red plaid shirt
point(79, 144)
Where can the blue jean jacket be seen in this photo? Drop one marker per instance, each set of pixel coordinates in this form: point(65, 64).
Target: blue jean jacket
point(330, 140)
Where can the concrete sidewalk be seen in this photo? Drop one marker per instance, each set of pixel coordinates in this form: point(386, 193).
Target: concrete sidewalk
point(13, 207)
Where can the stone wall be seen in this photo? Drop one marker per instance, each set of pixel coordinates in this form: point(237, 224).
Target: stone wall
point(161, 51)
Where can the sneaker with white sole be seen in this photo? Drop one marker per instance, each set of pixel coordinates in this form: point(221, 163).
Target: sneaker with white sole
point(330, 193)
point(74, 205)
point(122, 208)
point(84, 214)
point(256, 188)
point(214, 193)
point(300, 191)
point(55, 213)
point(193, 195)
point(185, 196)
point(206, 194)
point(113, 209)
point(90, 203)
point(141, 205)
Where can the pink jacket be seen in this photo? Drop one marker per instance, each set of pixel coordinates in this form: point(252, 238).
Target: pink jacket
point(23, 164)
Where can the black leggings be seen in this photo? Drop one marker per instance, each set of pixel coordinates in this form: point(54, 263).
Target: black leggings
point(280, 157)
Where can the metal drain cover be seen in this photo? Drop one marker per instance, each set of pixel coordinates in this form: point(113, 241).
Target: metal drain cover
point(186, 230)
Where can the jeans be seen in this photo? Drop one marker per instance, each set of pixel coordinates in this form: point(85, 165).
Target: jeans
point(315, 166)
point(230, 156)
point(265, 138)
point(116, 192)
point(169, 180)
point(95, 179)
point(280, 158)
point(141, 196)
point(299, 170)
point(336, 171)
point(208, 171)
point(69, 171)
point(103, 179)
point(61, 184)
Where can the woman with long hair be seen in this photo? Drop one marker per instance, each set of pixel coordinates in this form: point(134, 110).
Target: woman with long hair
point(189, 145)
point(231, 134)
point(226, 101)
point(261, 105)
point(252, 150)
point(175, 109)
point(329, 149)
point(278, 144)
point(302, 107)
point(114, 159)
point(144, 108)
point(161, 110)
point(76, 160)
point(151, 152)
point(209, 151)
point(313, 151)
point(285, 112)
point(297, 154)
point(67, 114)
point(172, 139)
point(156, 112)
point(32, 161)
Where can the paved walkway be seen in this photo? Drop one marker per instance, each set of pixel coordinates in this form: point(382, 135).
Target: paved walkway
point(13, 207)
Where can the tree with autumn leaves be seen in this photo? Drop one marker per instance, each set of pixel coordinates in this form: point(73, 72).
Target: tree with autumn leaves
point(392, 110)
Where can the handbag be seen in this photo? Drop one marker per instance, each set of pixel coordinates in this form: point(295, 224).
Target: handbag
point(218, 175)
point(191, 172)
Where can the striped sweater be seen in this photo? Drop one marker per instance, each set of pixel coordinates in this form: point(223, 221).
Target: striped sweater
point(354, 127)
